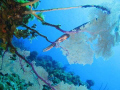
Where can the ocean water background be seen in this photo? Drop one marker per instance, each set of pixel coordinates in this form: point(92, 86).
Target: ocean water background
point(103, 73)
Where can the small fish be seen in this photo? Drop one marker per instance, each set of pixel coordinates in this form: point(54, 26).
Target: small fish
point(59, 40)
point(64, 37)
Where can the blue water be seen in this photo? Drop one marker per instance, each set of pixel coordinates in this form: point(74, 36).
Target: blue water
point(101, 72)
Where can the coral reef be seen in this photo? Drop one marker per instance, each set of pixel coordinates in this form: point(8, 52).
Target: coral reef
point(15, 13)
point(66, 86)
point(12, 82)
point(33, 56)
point(23, 70)
point(56, 72)
point(89, 83)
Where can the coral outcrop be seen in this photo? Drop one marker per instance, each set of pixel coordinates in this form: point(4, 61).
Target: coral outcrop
point(24, 72)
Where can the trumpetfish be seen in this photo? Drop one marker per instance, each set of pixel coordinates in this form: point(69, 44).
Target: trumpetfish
point(64, 37)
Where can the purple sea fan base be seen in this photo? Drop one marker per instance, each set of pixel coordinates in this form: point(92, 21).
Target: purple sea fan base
point(34, 70)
